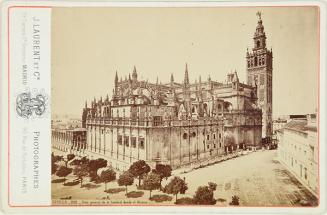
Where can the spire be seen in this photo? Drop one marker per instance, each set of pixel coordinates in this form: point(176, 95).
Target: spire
point(235, 76)
point(259, 35)
point(116, 79)
point(134, 75)
point(200, 79)
point(85, 104)
point(129, 77)
point(171, 78)
point(259, 15)
point(186, 79)
point(157, 81)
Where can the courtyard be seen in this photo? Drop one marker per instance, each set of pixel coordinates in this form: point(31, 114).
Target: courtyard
point(258, 179)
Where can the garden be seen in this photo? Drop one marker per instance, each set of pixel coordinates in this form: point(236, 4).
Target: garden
point(81, 178)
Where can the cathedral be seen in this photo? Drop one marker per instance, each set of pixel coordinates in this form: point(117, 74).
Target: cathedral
point(182, 123)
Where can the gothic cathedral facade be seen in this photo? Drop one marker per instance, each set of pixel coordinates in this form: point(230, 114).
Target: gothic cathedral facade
point(180, 123)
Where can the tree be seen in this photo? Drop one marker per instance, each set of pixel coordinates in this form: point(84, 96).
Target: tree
point(85, 160)
point(126, 179)
point(204, 196)
point(81, 171)
point(151, 182)
point(63, 171)
point(94, 165)
point(55, 158)
point(70, 157)
point(235, 200)
point(107, 176)
point(212, 186)
point(139, 169)
point(175, 186)
point(66, 162)
point(54, 168)
point(164, 171)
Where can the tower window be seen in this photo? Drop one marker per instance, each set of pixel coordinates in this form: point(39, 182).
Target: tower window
point(255, 61)
point(258, 43)
point(248, 63)
point(263, 61)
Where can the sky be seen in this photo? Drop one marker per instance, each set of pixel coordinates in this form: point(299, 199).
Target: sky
point(90, 44)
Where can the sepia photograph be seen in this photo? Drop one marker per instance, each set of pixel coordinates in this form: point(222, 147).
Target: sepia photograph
point(169, 106)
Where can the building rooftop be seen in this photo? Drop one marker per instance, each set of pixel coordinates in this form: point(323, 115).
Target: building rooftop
point(300, 125)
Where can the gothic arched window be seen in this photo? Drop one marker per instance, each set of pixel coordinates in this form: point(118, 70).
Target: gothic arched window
point(263, 61)
point(219, 107)
point(255, 61)
point(205, 106)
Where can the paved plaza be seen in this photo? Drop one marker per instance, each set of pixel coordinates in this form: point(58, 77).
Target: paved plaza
point(257, 178)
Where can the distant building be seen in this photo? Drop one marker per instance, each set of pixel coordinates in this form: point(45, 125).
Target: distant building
point(281, 121)
point(69, 140)
point(66, 123)
point(298, 149)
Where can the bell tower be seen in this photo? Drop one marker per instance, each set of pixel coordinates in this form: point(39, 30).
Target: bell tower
point(259, 73)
